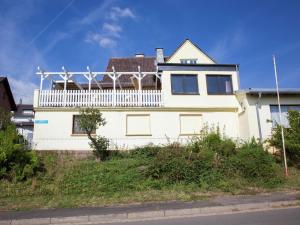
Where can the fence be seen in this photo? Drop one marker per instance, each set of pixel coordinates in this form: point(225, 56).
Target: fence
point(100, 98)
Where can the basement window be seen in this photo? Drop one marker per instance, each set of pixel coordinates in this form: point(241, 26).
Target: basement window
point(185, 84)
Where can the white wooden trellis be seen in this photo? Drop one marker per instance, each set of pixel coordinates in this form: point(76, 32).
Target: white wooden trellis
point(116, 98)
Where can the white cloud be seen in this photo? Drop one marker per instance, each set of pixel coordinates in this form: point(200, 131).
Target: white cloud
point(117, 13)
point(112, 29)
point(102, 41)
point(22, 89)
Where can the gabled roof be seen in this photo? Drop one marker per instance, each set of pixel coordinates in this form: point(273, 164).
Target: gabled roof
point(5, 82)
point(188, 40)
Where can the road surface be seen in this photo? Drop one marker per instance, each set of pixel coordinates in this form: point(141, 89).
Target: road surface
point(289, 216)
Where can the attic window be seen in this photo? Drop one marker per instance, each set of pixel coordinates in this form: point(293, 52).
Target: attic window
point(188, 61)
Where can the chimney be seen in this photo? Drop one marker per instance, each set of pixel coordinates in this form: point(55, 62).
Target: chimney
point(20, 101)
point(160, 55)
point(139, 55)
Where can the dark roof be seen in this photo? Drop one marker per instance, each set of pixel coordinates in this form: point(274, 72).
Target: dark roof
point(5, 82)
point(195, 46)
point(270, 91)
point(21, 108)
point(131, 64)
point(147, 64)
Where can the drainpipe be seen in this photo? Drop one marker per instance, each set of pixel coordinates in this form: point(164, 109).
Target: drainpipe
point(258, 117)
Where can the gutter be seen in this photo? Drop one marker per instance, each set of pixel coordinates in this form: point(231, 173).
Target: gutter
point(258, 116)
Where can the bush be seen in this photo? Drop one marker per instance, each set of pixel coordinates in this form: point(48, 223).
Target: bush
point(100, 145)
point(148, 151)
point(212, 161)
point(292, 138)
point(15, 160)
point(254, 164)
point(212, 141)
point(180, 165)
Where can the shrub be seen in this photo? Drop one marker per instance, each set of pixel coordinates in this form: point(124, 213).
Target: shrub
point(147, 151)
point(212, 141)
point(180, 165)
point(100, 145)
point(254, 164)
point(212, 161)
point(292, 138)
point(15, 160)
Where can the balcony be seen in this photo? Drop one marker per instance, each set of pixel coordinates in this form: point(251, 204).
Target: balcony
point(99, 98)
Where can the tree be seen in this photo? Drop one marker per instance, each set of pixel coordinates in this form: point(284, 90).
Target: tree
point(292, 137)
point(5, 119)
point(90, 120)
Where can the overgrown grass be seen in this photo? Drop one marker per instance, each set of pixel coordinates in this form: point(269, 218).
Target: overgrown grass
point(122, 179)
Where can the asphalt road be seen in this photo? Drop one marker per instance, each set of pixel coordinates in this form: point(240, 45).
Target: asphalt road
point(274, 217)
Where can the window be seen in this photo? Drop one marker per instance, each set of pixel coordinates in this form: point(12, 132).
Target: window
point(219, 84)
point(28, 112)
point(184, 84)
point(190, 124)
point(188, 61)
point(138, 125)
point(284, 114)
point(76, 126)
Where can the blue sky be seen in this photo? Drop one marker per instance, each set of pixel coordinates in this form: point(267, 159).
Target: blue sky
point(79, 33)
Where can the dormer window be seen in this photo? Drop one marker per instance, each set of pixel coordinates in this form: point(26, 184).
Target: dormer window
point(188, 61)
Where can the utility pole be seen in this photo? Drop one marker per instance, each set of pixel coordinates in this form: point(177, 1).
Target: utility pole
point(280, 119)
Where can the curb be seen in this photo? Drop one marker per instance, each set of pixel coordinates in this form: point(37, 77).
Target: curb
point(148, 215)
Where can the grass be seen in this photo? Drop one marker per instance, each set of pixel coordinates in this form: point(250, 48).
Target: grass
point(79, 183)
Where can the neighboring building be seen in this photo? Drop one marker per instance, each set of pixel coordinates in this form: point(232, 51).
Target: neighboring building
point(23, 118)
point(146, 100)
point(260, 111)
point(7, 101)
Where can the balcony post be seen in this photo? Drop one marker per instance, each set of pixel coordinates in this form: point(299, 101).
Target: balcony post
point(65, 78)
point(114, 77)
point(140, 86)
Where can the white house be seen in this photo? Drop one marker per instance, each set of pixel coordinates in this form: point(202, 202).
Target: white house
point(150, 100)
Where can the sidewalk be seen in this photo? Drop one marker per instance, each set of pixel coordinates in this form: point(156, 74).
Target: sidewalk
point(215, 205)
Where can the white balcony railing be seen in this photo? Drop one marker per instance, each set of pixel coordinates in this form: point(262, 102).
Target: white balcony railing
point(100, 98)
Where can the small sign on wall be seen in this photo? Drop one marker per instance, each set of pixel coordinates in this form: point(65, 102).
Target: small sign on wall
point(41, 121)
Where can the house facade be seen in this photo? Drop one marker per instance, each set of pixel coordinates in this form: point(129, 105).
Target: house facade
point(144, 100)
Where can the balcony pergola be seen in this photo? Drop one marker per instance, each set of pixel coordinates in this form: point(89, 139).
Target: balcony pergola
point(99, 97)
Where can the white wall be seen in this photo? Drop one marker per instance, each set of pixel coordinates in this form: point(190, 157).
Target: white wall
point(248, 118)
point(203, 99)
point(189, 51)
point(165, 123)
